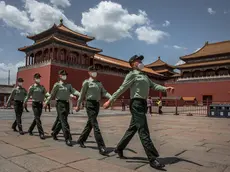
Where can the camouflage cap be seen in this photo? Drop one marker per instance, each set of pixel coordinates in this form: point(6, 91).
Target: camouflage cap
point(135, 57)
point(20, 80)
point(92, 68)
point(37, 75)
point(62, 72)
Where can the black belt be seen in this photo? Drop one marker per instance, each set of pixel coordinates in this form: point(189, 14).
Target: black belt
point(139, 99)
point(19, 101)
point(65, 101)
point(95, 101)
point(37, 102)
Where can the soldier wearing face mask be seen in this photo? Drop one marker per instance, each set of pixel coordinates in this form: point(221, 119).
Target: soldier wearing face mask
point(18, 95)
point(62, 92)
point(92, 90)
point(38, 94)
point(139, 84)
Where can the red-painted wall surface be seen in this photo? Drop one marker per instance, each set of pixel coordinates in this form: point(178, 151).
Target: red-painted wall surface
point(76, 77)
point(28, 76)
point(218, 89)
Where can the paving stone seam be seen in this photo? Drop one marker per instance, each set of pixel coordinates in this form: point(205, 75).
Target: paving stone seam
point(209, 150)
point(16, 164)
point(29, 152)
point(225, 168)
point(83, 159)
point(141, 166)
point(180, 153)
point(103, 158)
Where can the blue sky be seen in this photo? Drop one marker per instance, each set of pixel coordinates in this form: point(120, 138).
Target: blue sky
point(169, 29)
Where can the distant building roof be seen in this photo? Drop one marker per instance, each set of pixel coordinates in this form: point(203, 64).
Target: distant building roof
point(199, 64)
point(54, 38)
point(6, 89)
point(122, 63)
point(62, 28)
point(158, 63)
point(210, 49)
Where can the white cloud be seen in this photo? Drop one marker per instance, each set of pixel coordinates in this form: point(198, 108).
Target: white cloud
point(149, 35)
point(211, 11)
point(4, 68)
point(179, 47)
point(180, 62)
point(109, 21)
point(62, 3)
point(226, 12)
point(36, 17)
point(166, 23)
point(106, 21)
point(1, 50)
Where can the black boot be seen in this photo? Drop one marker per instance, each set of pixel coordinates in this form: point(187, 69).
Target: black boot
point(14, 129)
point(21, 132)
point(68, 142)
point(42, 136)
point(54, 136)
point(30, 133)
point(81, 144)
point(120, 153)
point(156, 164)
point(103, 151)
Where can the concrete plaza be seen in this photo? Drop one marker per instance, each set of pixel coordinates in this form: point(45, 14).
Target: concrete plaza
point(185, 143)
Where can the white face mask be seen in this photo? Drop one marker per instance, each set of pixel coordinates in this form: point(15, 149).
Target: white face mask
point(19, 83)
point(37, 80)
point(63, 77)
point(94, 74)
point(140, 66)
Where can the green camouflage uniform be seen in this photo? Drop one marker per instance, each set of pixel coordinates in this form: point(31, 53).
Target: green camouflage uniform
point(92, 91)
point(38, 94)
point(18, 94)
point(61, 91)
point(139, 84)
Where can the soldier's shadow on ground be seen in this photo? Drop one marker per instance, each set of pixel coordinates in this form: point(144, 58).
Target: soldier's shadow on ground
point(165, 160)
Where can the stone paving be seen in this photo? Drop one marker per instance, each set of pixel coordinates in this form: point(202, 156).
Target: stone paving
point(185, 143)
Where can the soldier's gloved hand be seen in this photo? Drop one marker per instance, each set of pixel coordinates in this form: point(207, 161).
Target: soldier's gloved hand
point(106, 105)
point(77, 108)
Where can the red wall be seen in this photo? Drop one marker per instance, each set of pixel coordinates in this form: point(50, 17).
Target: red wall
point(77, 76)
point(28, 76)
point(218, 89)
point(49, 75)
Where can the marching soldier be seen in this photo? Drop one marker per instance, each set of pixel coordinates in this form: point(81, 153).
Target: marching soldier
point(61, 91)
point(56, 121)
point(38, 94)
point(139, 84)
point(18, 94)
point(92, 90)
